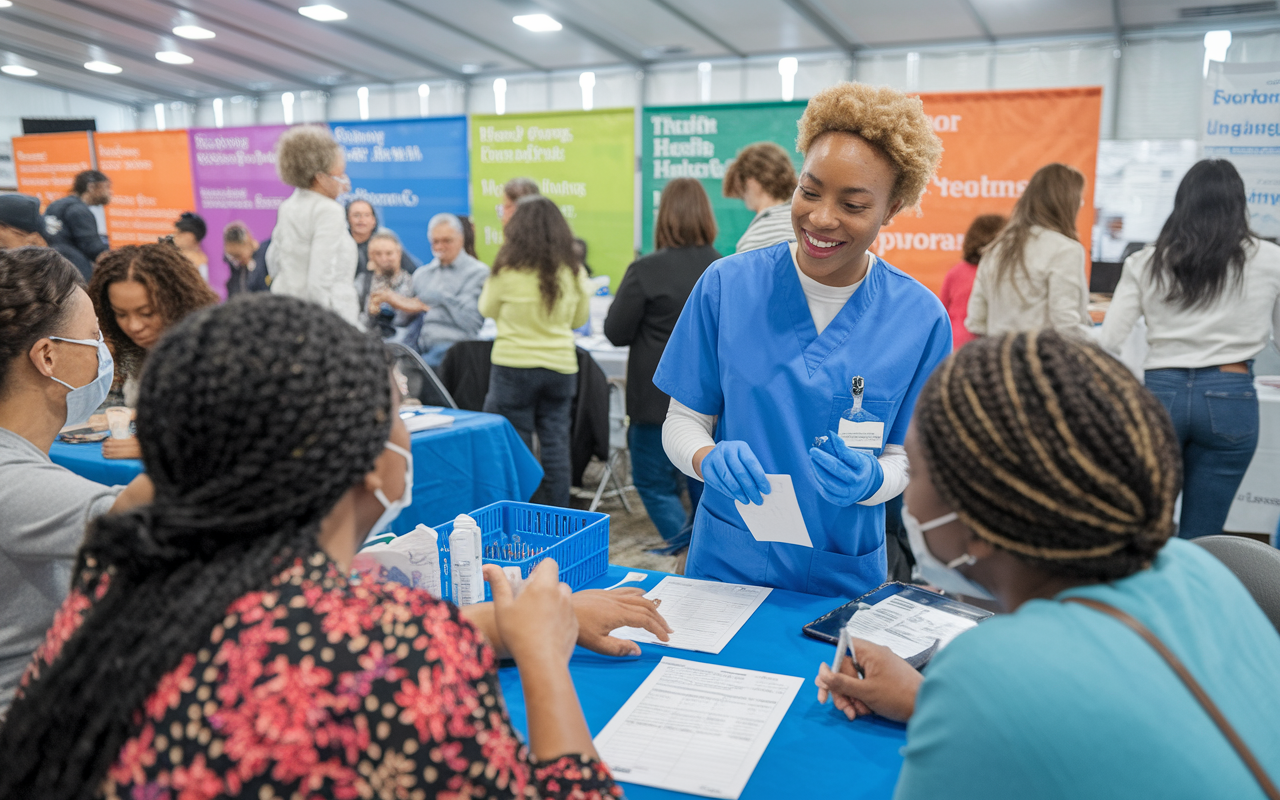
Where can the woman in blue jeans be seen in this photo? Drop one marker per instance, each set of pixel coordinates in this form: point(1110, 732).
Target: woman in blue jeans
point(644, 312)
point(1210, 291)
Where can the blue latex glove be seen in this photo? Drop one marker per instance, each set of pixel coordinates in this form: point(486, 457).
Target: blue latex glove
point(845, 475)
point(731, 468)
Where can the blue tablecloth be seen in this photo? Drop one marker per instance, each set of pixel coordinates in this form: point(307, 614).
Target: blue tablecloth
point(815, 753)
point(478, 460)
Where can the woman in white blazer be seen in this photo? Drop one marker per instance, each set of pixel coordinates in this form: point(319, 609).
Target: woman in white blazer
point(1033, 275)
point(312, 256)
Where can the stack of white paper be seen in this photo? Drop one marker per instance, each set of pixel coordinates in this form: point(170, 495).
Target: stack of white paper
point(705, 615)
point(907, 627)
point(696, 728)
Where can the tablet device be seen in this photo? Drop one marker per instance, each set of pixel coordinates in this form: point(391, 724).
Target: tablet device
point(827, 627)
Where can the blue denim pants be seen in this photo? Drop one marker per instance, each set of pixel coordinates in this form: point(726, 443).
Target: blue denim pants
point(538, 400)
point(659, 484)
point(1215, 416)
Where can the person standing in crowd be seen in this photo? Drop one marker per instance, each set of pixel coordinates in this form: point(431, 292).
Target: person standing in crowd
point(386, 285)
point(468, 235)
point(1033, 275)
point(805, 359)
point(248, 269)
point(22, 225)
point(1210, 292)
point(229, 593)
point(958, 284)
point(1044, 476)
point(537, 295)
point(644, 312)
point(188, 234)
point(763, 178)
point(362, 221)
point(512, 191)
point(54, 371)
point(446, 292)
point(71, 223)
point(311, 254)
point(138, 293)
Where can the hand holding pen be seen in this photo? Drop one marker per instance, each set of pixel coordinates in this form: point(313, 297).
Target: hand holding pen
point(872, 681)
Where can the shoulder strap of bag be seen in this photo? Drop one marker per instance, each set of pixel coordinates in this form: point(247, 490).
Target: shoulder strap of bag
point(1242, 749)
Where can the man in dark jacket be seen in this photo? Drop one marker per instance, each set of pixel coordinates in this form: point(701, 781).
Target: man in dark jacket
point(21, 224)
point(71, 223)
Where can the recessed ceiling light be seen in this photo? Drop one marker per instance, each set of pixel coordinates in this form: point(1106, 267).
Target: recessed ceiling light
point(323, 13)
point(470, 69)
point(538, 23)
point(193, 32)
point(5, 3)
point(103, 67)
point(173, 57)
point(18, 70)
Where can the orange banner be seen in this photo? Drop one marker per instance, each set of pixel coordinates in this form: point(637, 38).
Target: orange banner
point(47, 163)
point(994, 142)
point(150, 175)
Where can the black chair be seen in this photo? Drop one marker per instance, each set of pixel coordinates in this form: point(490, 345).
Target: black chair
point(423, 383)
point(1256, 565)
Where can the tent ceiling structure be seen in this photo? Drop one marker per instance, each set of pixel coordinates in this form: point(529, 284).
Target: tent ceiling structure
point(263, 46)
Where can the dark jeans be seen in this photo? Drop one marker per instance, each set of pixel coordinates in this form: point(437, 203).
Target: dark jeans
point(659, 484)
point(538, 400)
point(1215, 415)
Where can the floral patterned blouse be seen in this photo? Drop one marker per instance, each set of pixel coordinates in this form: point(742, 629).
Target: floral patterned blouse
point(319, 688)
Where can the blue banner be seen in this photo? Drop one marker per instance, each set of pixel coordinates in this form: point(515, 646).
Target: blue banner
point(409, 170)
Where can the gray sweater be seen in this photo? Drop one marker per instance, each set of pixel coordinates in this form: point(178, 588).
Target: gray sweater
point(44, 509)
point(453, 293)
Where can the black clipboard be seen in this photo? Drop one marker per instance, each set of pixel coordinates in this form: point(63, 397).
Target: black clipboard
point(827, 627)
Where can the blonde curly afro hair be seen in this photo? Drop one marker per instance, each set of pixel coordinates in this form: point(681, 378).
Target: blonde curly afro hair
point(888, 119)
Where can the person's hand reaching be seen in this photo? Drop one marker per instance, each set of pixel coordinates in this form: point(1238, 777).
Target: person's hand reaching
point(121, 448)
point(731, 468)
point(540, 625)
point(845, 475)
point(888, 688)
point(601, 611)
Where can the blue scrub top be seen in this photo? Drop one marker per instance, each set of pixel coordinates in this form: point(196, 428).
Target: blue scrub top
point(1060, 702)
point(746, 349)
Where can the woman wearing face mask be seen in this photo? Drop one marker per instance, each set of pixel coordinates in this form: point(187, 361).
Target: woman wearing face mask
point(212, 643)
point(54, 371)
point(312, 255)
point(1044, 474)
point(775, 345)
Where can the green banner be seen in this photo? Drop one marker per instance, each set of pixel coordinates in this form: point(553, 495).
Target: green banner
point(583, 160)
point(700, 142)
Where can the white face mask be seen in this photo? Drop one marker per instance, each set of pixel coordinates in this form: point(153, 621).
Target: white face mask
point(82, 401)
point(930, 569)
point(394, 507)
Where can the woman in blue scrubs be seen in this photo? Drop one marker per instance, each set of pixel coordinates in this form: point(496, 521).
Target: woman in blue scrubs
point(772, 342)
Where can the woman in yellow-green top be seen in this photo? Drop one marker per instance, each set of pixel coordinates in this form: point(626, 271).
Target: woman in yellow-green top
point(537, 295)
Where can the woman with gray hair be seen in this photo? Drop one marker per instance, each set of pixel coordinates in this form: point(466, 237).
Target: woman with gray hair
point(312, 256)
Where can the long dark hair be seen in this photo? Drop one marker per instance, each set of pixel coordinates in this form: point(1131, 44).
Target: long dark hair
point(1201, 248)
point(537, 238)
point(1051, 200)
point(35, 284)
point(254, 418)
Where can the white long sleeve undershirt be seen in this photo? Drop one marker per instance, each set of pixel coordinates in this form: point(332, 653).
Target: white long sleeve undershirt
point(685, 431)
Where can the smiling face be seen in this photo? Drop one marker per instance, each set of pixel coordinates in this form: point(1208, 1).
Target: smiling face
point(361, 218)
point(843, 198)
point(134, 312)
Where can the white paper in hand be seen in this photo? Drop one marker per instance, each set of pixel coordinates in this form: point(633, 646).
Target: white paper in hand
point(779, 519)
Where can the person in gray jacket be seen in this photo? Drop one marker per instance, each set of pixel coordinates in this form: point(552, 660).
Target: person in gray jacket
point(446, 292)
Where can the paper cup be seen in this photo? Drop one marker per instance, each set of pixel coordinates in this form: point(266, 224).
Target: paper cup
point(118, 419)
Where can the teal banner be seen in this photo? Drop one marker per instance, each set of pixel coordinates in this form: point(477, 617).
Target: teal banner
point(700, 142)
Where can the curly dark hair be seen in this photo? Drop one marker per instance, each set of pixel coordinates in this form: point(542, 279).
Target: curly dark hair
point(1049, 448)
point(248, 449)
point(35, 284)
point(174, 285)
point(538, 239)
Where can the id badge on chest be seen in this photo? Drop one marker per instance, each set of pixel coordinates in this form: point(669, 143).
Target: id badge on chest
point(859, 428)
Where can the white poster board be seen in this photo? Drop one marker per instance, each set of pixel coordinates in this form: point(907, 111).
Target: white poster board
point(1240, 121)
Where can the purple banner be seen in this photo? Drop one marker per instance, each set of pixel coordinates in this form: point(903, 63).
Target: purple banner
point(234, 176)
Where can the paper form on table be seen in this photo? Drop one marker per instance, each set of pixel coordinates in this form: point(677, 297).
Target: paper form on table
point(779, 519)
point(704, 614)
point(696, 728)
point(907, 627)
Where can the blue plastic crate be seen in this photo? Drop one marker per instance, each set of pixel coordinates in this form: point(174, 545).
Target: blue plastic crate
point(577, 540)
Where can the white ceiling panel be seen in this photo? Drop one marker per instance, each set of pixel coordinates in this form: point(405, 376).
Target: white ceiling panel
point(906, 21)
point(1040, 17)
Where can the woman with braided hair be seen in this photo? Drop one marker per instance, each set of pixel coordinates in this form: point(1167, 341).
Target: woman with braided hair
point(54, 371)
point(212, 645)
point(1044, 476)
point(138, 293)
